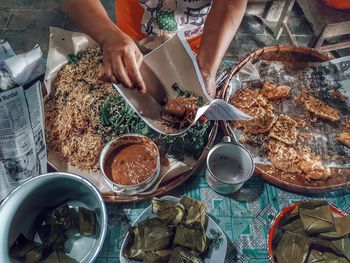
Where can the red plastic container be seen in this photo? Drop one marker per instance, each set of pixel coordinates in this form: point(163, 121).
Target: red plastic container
point(337, 4)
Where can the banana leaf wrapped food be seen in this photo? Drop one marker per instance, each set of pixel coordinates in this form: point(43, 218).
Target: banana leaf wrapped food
point(176, 234)
point(52, 235)
point(195, 211)
point(325, 257)
point(26, 250)
point(168, 211)
point(183, 255)
point(312, 235)
point(150, 235)
point(87, 222)
point(60, 216)
point(316, 217)
point(192, 237)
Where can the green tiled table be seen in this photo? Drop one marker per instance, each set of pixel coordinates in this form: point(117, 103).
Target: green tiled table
point(244, 216)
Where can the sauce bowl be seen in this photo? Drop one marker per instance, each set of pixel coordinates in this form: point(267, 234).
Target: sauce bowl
point(116, 144)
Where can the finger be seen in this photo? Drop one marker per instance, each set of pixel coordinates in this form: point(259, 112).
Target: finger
point(106, 73)
point(120, 73)
point(134, 73)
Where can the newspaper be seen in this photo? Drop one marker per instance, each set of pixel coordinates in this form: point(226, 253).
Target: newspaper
point(22, 137)
point(327, 81)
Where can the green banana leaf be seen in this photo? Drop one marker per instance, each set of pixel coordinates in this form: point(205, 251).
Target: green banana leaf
point(316, 217)
point(183, 255)
point(195, 211)
point(192, 237)
point(133, 248)
point(58, 257)
point(295, 226)
point(289, 217)
point(26, 249)
point(150, 235)
point(292, 248)
point(161, 256)
point(60, 217)
point(343, 246)
point(324, 257)
point(87, 222)
point(52, 237)
point(168, 211)
point(342, 228)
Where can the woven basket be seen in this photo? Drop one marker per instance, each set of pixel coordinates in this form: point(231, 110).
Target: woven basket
point(290, 53)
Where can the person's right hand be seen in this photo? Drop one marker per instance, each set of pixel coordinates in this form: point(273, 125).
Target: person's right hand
point(121, 61)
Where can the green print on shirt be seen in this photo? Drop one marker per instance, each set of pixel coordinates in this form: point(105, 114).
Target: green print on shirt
point(166, 20)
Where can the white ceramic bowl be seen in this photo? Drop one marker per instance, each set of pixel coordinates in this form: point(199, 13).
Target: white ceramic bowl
point(19, 212)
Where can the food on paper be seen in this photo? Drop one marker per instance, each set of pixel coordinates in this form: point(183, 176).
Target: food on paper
point(53, 235)
point(321, 109)
point(344, 138)
point(83, 113)
point(313, 168)
point(279, 134)
point(247, 98)
point(284, 130)
point(132, 163)
point(180, 112)
point(72, 112)
point(293, 159)
point(273, 92)
point(283, 157)
point(170, 240)
point(263, 120)
point(169, 212)
point(311, 232)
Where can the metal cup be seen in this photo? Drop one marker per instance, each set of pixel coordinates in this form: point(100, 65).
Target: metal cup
point(229, 165)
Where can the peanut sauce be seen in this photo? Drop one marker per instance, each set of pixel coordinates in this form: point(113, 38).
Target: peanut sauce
point(131, 164)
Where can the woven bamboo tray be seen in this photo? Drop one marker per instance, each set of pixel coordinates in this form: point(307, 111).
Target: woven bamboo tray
point(290, 53)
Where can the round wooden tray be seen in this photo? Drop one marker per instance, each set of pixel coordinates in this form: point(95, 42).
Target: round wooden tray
point(163, 188)
point(291, 182)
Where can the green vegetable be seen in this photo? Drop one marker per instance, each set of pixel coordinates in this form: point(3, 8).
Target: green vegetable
point(73, 59)
point(117, 118)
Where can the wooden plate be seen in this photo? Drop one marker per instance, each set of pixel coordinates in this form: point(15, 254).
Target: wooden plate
point(291, 182)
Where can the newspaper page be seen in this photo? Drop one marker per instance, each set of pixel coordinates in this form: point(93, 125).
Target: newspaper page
point(17, 147)
point(22, 140)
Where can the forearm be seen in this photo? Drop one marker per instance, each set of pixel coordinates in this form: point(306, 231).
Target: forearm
point(220, 27)
point(92, 17)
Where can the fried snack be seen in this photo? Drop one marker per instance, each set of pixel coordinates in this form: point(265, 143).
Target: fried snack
point(273, 92)
point(262, 121)
point(347, 125)
point(283, 157)
point(321, 109)
point(247, 98)
point(179, 112)
point(284, 130)
point(344, 138)
point(313, 168)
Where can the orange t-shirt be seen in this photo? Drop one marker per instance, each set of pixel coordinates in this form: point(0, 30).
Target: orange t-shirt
point(141, 18)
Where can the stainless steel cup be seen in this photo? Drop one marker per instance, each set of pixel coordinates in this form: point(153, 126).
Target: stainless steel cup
point(229, 165)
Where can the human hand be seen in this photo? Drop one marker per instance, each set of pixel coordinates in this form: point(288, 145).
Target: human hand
point(121, 61)
point(209, 82)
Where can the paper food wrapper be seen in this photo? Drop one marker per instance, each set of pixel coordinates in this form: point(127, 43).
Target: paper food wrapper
point(63, 43)
point(170, 63)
